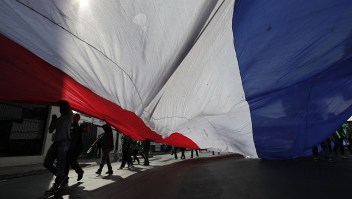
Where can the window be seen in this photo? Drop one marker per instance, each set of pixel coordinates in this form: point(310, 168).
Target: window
point(22, 129)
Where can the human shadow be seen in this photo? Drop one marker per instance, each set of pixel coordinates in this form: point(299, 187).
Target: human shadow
point(73, 191)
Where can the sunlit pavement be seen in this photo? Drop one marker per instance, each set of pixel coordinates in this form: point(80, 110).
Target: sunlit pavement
point(34, 186)
point(224, 176)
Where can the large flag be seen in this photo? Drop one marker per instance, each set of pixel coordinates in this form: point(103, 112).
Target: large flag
point(263, 78)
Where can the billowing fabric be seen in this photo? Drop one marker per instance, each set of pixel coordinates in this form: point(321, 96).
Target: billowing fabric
point(295, 59)
point(266, 79)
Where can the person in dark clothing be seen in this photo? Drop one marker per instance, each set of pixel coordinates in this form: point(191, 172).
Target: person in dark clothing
point(326, 146)
point(107, 145)
point(195, 151)
point(126, 152)
point(348, 129)
point(98, 150)
point(338, 138)
point(146, 148)
point(75, 149)
point(174, 152)
point(61, 141)
point(135, 150)
point(183, 153)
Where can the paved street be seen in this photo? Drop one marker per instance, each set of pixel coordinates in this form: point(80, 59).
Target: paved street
point(33, 186)
point(213, 177)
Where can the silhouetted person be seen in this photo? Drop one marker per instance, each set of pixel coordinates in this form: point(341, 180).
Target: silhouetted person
point(183, 153)
point(349, 135)
point(146, 148)
point(338, 138)
point(107, 144)
point(326, 146)
point(59, 147)
point(195, 151)
point(135, 150)
point(174, 152)
point(126, 152)
point(76, 146)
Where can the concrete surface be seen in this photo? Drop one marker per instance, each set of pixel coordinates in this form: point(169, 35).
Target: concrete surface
point(213, 177)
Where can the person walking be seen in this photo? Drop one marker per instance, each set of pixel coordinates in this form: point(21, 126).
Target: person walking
point(348, 130)
point(126, 152)
point(338, 138)
point(146, 148)
point(107, 146)
point(135, 150)
point(174, 152)
point(76, 146)
point(326, 146)
point(195, 151)
point(59, 147)
point(183, 153)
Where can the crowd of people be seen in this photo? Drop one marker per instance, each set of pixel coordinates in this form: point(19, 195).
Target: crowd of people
point(336, 144)
point(67, 146)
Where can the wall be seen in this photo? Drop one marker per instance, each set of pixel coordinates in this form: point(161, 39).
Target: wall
point(28, 160)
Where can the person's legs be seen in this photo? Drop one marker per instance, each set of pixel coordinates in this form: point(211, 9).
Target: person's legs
point(142, 154)
point(50, 159)
point(124, 159)
point(61, 162)
point(61, 148)
point(146, 160)
point(315, 153)
point(175, 152)
point(108, 163)
point(183, 154)
point(74, 163)
point(67, 165)
point(68, 160)
point(327, 150)
point(129, 161)
point(135, 158)
point(102, 162)
point(342, 148)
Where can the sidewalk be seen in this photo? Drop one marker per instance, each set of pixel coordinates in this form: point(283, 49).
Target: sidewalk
point(27, 170)
point(31, 181)
point(34, 169)
point(208, 176)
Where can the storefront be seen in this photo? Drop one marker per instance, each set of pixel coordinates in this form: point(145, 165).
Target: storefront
point(24, 136)
point(23, 130)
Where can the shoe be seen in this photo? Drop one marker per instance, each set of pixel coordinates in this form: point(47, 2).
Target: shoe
point(130, 167)
point(315, 159)
point(98, 172)
point(344, 157)
point(330, 160)
point(80, 176)
point(109, 172)
point(54, 189)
